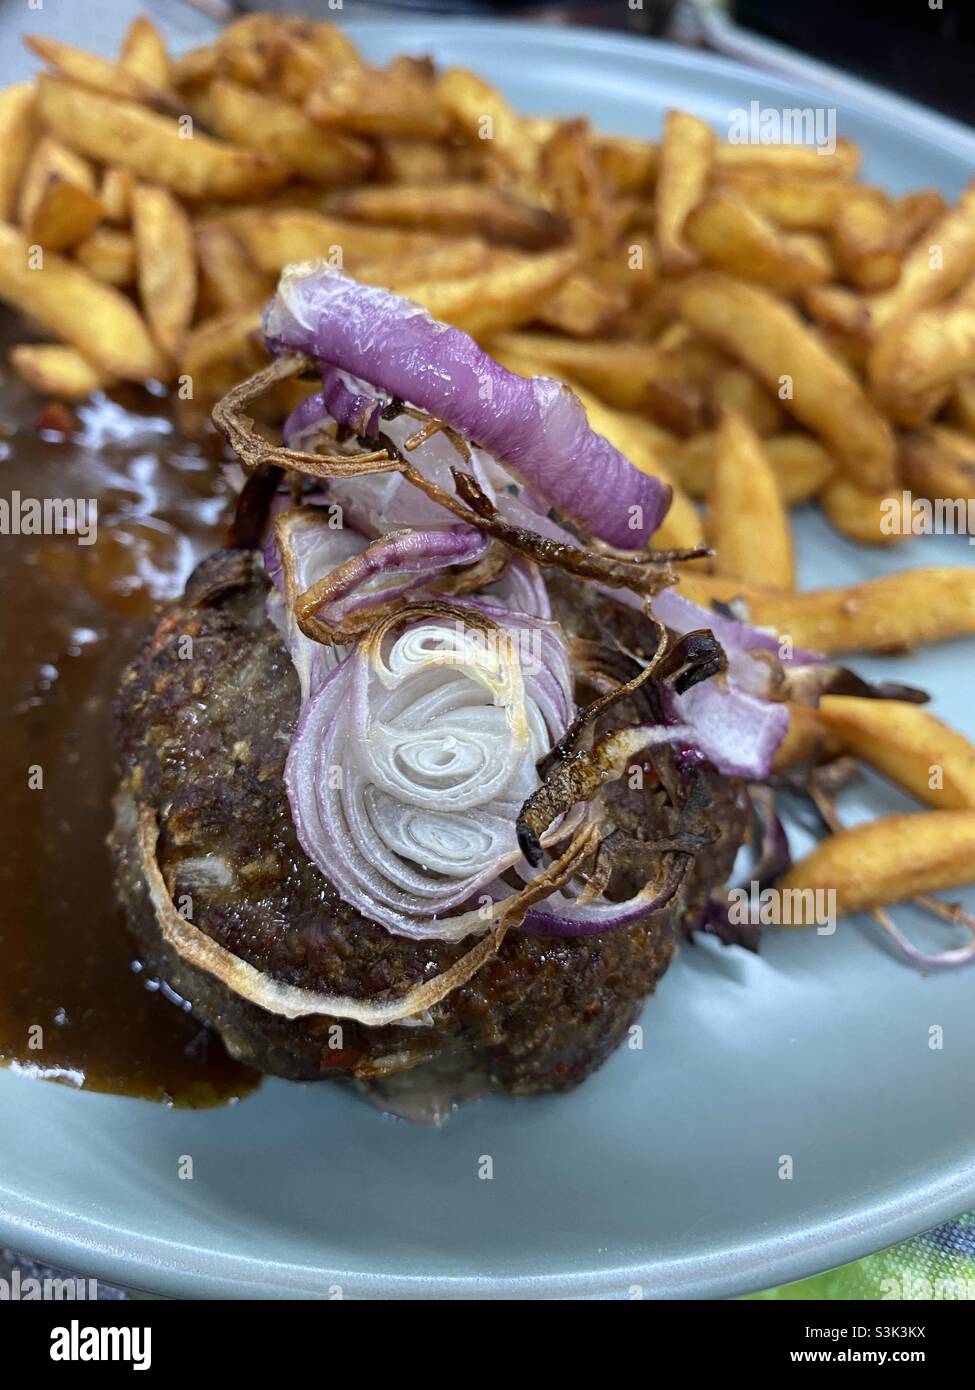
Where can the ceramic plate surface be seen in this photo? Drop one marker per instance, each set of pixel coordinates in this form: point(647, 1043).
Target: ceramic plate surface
point(662, 1171)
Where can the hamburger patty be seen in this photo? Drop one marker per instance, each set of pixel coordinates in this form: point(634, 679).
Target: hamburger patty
point(202, 724)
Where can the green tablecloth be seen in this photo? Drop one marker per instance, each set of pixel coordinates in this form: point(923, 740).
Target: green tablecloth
point(938, 1265)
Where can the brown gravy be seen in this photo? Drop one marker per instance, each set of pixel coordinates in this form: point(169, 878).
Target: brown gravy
point(75, 1005)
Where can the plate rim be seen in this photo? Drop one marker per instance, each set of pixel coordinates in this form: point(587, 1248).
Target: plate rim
point(158, 1266)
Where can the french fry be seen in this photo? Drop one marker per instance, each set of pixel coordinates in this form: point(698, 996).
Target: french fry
point(889, 614)
point(629, 165)
point(55, 370)
point(857, 514)
point(620, 373)
point(962, 409)
point(939, 463)
point(74, 307)
point(273, 238)
point(459, 258)
point(216, 354)
point(734, 388)
point(908, 744)
point(229, 278)
point(934, 268)
point(919, 353)
point(128, 136)
point(784, 353)
point(115, 196)
point(58, 203)
point(483, 114)
point(194, 67)
point(747, 521)
point(686, 156)
point(283, 131)
point(572, 178)
point(863, 231)
point(365, 102)
point(789, 161)
point(583, 307)
point(498, 299)
point(730, 235)
point(165, 264)
point(99, 74)
point(805, 204)
point(144, 54)
point(807, 740)
point(413, 161)
point(109, 255)
point(283, 54)
point(801, 465)
point(456, 209)
point(16, 138)
point(888, 860)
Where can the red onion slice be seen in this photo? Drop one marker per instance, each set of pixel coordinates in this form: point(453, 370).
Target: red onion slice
point(538, 428)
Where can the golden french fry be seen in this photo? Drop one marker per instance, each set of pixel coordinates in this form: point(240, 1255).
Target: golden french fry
point(934, 268)
point(583, 307)
point(785, 354)
point(55, 370)
point(273, 238)
point(789, 161)
point(747, 521)
point(498, 299)
point(368, 102)
point(99, 74)
point(96, 319)
point(229, 278)
point(283, 131)
point(619, 372)
point(686, 156)
point(165, 264)
point(858, 514)
point(109, 255)
point(216, 354)
point(283, 54)
point(115, 196)
point(863, 232)
point(194, 67)
point(908, 744)
point(151, 146)
point(939, 463)
point(888, 860)
point(839, 309)
point(58, 204)
point(919, 353)
point(483, 114)
point(465, 209)
point(798, 204)
point(892, 613)
point(962, 411)
point(730, 235)
point(570, 175)
point(16, 138)
point(629, 165)
point(807, 740)
point(459, 258)
point(800, 463)
point(413, 161)
point(734, 388)
point(144, 54)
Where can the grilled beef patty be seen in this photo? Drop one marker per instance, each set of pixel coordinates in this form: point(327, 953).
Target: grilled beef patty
point(203, 723)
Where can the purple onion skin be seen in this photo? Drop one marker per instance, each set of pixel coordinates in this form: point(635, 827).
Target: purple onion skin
point(536, 426)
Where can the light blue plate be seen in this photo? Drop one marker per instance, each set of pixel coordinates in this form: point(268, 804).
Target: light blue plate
point(662, 1172)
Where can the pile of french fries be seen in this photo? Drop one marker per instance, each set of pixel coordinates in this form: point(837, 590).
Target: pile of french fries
point(747, 321)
